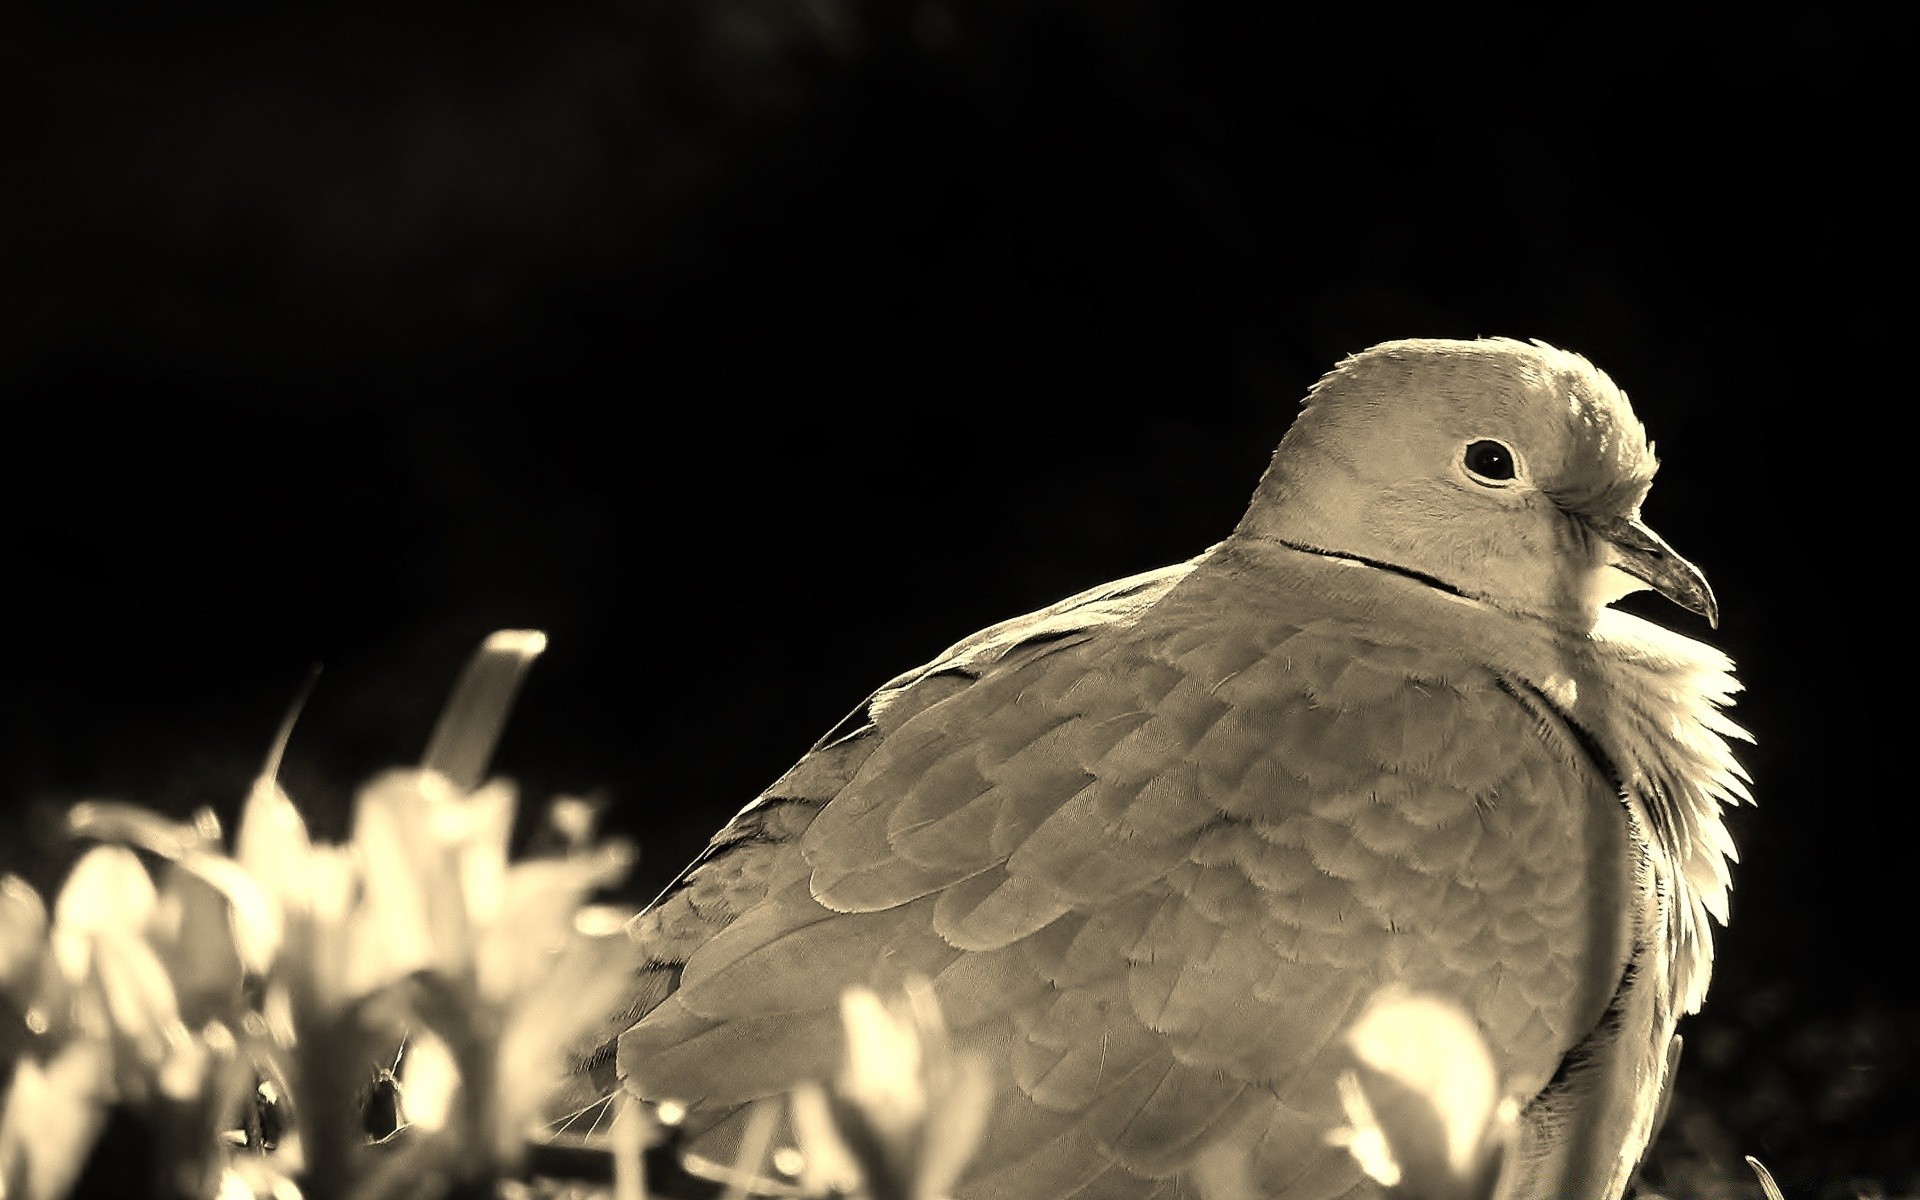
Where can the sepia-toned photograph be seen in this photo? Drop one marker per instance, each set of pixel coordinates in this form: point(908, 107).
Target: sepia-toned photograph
point(954, 600)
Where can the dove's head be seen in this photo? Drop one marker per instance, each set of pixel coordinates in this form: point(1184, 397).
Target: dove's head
point(1510, 472)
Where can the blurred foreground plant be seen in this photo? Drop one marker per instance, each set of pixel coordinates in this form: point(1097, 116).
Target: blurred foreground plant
point(1427, 1118)
point(906, 1111)
point(900, 1119)
point(224, 996)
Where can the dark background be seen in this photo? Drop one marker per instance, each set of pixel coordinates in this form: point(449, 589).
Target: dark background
point(758, 349)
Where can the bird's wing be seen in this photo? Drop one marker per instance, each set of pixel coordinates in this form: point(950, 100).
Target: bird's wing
point(1157, 861)
point(738, 868)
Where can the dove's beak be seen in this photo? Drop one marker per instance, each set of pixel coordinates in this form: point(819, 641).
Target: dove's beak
point(1645, 555)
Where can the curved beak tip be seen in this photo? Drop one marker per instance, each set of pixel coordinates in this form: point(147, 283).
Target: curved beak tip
point(1711, 609)
point(1645, 555)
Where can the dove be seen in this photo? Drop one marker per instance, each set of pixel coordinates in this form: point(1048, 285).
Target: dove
point(1159, 845)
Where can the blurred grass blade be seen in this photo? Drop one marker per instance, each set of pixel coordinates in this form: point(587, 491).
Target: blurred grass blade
point(410, 892)
point(827, 1165)
point(271, 843)
point(476, 827)
point(881, 1075)
point(463, 742)
point(277, 753)
point(906, 1110)
point(431, 1079)
point(195, 934)
point(23, 931)
point(51, 1117)
point(755, 1144)
point(108, 891)
point(1426, 1116)
point(138, 993)
point(114, 821)
point(586, 979)
point(254, 922)
point(1767, 1184)
point(632, 1130)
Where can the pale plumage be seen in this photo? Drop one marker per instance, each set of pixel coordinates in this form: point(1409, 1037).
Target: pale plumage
point(1159, 844)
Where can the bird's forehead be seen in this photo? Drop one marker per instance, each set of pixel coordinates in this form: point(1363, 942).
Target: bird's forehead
point(1556, 403)
point(1607, 452)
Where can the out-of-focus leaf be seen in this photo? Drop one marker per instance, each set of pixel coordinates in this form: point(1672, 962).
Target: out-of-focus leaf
point(632, 1133)
point(476, 828)
point(203, 1094)
point(959, 1122)
point(272, 855)
point(584, 982)
point(573, 820)
point(271, 844)
point(139, 996)
point(469, 727)
point(1428, 1120)
point(194, 935)
point(23, 934)
point(429, 1081)
point(249, 1178)
point(392, 934)
point(186, 1069)
point(113, 821)
point(543, 898)
point(421, 1169)
point(414, 902)
point(107, 891)
point(323, 966)
point(906, 1106)
point(826, 1165)
point(1760, 1172)
point(54, 1113)
point(234, 1186)
point(254, 922)
point(1363, 1137)
point(756, 1139)
point(254, 913)
point(881, 1074)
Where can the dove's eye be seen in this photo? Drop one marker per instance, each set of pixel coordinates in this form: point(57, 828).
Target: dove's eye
point(1489, 462)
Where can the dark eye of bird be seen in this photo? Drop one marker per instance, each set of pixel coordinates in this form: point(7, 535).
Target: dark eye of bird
point(1489, 460)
